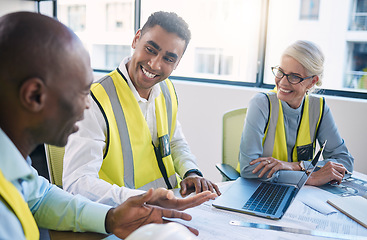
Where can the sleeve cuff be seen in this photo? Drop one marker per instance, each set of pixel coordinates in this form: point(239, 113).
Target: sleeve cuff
point(96, 217)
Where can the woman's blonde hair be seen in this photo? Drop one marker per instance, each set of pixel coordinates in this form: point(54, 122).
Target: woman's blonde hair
point(310, 56)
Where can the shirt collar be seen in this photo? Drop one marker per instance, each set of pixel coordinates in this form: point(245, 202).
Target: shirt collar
point(289, 110)
point(12, 163)
point(154, 93)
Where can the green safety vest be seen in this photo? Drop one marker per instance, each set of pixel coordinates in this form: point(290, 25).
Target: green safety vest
point(274, 141)
point(130, 159)
point(15, 202)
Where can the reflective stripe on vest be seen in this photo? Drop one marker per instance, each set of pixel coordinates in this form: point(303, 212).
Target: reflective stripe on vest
point(19, 207)
point(129, 157)
point(274, 141)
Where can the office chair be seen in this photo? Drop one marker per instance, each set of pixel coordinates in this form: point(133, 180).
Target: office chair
point(232, 130)
point(55, 159)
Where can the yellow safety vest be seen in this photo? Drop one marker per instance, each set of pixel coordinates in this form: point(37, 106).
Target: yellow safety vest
point(130, 159)
point(14, 201)
point(274, 141)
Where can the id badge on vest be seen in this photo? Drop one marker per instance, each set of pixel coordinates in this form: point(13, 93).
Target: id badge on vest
point(305, 152)
point(164, 146)
point(162, 151)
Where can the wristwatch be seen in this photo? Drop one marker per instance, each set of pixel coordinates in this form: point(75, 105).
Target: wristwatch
point(197, 171)
point(301, 164)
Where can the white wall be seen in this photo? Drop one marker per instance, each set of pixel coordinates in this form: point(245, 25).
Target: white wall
point(202, 105)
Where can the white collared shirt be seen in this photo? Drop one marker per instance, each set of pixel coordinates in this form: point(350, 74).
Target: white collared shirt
point(147, 106)
point(84, 151)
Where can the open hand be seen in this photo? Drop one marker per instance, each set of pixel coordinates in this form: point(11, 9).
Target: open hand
point(165, 198)
point(135, 212)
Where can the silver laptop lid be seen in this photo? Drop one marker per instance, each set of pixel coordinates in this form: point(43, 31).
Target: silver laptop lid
point(311, 167)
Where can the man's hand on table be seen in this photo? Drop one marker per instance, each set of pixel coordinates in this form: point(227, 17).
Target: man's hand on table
point(151, 207)
point(195, 183)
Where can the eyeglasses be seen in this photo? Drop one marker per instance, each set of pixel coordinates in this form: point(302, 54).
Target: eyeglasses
point(292, 79)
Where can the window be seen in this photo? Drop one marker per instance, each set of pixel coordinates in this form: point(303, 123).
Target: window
point(108, 28)
point(213, 61)
point(329, 32)
point(359, 16)
point(108, 56)
point(233, 41)
point(310, 9)
point(76, 17)
point(119, 16)
point(225, 37)
point(115, 53)
point(356, 77)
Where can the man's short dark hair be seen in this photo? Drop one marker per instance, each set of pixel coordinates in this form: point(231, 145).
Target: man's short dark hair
point(170, 22)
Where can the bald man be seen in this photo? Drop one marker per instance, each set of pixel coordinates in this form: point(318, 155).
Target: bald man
point(45, 78)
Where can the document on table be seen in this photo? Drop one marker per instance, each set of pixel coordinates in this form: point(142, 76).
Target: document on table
point(213, 223)
point(336, 222)
point(316, 199)
point(352, 186)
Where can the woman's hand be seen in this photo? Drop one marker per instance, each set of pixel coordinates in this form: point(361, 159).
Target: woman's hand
point(272, 164)
point(331, 172)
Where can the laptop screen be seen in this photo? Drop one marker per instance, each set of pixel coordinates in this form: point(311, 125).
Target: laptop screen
point(311, 167)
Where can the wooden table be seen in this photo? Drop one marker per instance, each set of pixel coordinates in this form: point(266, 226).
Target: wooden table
point(67, 235)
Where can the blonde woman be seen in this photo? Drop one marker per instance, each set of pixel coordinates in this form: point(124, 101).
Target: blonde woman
point(282, 126)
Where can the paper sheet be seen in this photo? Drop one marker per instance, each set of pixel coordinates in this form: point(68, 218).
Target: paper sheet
point(316, 199)
point(213, 223)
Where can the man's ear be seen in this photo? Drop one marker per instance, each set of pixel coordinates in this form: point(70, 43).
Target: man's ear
point(32, 94)
point(136, 38)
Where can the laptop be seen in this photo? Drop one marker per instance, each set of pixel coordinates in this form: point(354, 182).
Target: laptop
point(263, 199)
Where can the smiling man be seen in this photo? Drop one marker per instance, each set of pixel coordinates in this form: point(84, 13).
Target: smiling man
point(130, 137)
point(45, 77)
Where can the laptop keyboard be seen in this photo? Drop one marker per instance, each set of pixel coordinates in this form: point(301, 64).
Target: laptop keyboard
point(267, 198)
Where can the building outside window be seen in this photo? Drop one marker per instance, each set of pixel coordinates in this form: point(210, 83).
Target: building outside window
point(108, 28)
point(115, 53)
point(213, 61)
point(119, 16)
point(356, 78)
point(310, 9)
point(359, 16)
point(205, 60)
point(225, 37)
point(77, 18)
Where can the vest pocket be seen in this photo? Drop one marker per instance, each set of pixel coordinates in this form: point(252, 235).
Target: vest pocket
point(305, 152)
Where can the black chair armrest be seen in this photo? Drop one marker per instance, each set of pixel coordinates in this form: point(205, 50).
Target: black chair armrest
point(227, 171)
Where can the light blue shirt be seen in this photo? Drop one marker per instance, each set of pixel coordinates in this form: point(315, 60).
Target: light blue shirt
point(251, 142)
point(51, 207)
